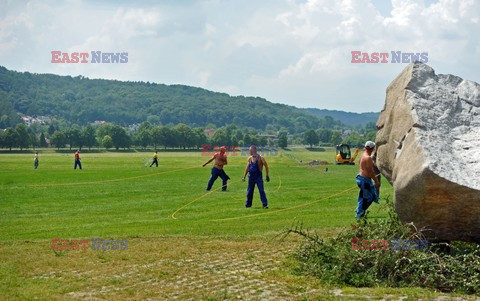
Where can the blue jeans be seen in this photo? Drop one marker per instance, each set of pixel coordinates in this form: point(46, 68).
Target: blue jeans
point(215, 174)
point(252, 180)
point(77, 162)
point(366, 196)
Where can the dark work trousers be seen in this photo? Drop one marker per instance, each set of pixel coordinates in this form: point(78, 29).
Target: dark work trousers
point(215, 174)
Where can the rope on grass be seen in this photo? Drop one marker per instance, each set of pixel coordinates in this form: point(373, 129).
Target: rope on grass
point(200, 197)
point(111, 180)
point(282, 210)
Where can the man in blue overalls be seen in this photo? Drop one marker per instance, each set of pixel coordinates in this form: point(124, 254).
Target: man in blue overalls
point(254, 169)
point(368, 191)
point(217, 170)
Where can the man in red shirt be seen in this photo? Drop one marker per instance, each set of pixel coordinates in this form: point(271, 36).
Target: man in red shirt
point(77, 160)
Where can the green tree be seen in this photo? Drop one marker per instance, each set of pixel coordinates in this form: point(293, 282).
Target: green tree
point(51, 130)
point(88, 136)
point(103, 130)
point(239, 135)
point(262, 141)
point(219, 137)
point(143, 136)
point(41, 141)
point(370, 126)
point(10, 138)
point(324, 135)
point(152, 119)
point(160, 136)
point(73, 137)
point(247, 139)
point(200, 137)
point(33, 140)
point(120, 137)
point(336, 137)
point(354, 140)
point(107, 142)
point(186, 137)
point(282, 139)
point(23, 136)
point(372, 135)
point(58, 139)
point(310, 137)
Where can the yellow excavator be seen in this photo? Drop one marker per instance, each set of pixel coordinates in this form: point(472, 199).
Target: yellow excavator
point(344, 155)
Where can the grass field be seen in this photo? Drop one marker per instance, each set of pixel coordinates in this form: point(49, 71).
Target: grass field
point(183, 243)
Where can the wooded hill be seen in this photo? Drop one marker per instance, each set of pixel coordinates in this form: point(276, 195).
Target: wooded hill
point(80, 100)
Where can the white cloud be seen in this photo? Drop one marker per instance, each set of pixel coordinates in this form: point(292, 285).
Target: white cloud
point(295, 52)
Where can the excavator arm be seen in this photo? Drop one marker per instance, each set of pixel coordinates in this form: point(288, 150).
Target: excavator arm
point(355, 154)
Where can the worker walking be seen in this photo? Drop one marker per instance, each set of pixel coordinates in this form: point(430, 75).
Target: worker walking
point(155, 159)
point(77, 160)
point(368, 191)
point(254, 168)
point(35, 160)
point(217, 169)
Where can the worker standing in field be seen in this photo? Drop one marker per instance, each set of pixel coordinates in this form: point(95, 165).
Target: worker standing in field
point(368, 191)
point(155, 159)
point(35, 160)
point(77, 160)
point(254, 168)
point(217, 169)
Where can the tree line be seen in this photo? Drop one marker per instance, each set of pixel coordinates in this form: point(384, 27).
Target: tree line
point(355, 138)
point(179, 136)
point(146, 135)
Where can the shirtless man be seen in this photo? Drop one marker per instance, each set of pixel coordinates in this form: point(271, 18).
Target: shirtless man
point(254, 168)
point(368, 191)
point(217, 169)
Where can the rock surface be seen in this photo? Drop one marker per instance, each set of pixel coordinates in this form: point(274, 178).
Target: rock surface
point(428, 147)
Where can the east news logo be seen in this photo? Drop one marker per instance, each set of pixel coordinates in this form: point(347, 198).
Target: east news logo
point(59, 244)
point(359, 57)
point(82, 57)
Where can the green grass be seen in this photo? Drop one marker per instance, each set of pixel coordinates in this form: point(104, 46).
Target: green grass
point(120, 197)
point(195, 255)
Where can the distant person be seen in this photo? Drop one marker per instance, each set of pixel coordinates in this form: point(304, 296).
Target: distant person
point(35, 160)
point(254, 168)
point(77, 160)
point(155, 159)
point(217, 169)
point(368, 191)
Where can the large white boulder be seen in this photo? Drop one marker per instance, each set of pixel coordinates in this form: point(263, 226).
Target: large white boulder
point(428, 147)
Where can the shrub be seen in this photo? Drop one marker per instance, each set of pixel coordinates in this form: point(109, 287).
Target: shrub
point(446, 266)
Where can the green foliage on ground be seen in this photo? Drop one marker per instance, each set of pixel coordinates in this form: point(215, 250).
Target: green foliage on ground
point(448, 267)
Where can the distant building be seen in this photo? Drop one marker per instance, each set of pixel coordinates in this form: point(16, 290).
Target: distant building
point(30, 120)
point(49, 144)
point(346, 133)
point(98, 122)
point(209, 132)
point(26, 119)
point(44, 119)
point(133, 127)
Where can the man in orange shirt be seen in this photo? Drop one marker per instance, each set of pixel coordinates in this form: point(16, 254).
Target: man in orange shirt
point(77, 160)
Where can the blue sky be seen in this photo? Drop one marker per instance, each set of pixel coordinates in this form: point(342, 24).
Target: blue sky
point(287, 51)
